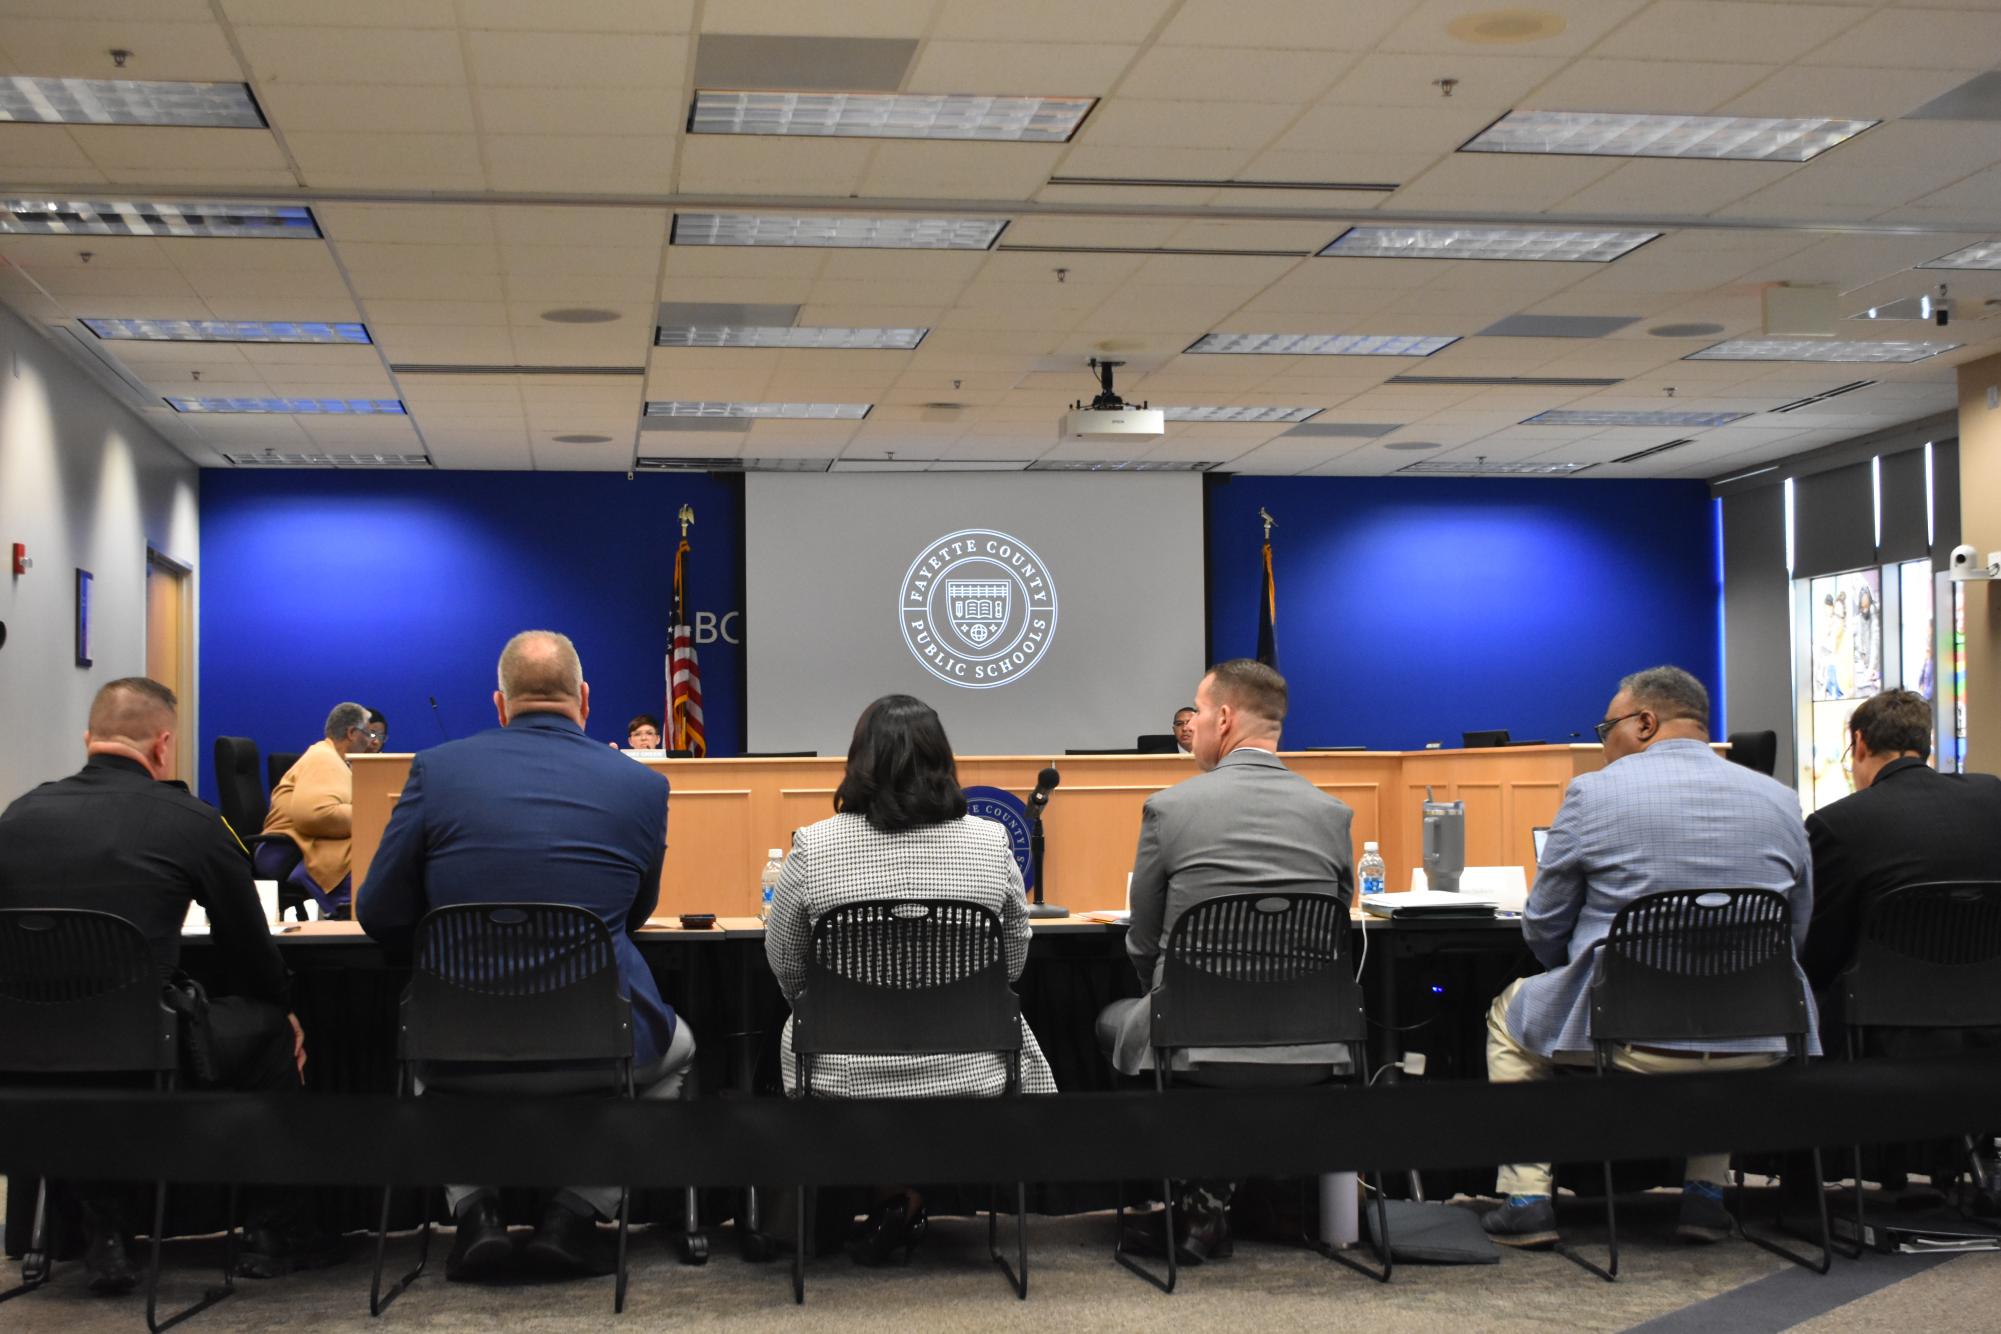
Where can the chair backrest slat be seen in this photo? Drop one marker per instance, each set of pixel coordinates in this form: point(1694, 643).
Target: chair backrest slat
point(516, 983)
point(1928, 956)
point(1686, 965)
point(80, 992)
point(1259, 970)
point(907, 977)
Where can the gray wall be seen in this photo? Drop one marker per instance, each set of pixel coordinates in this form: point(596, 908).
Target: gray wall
point(88, 485)
point(1757, 638)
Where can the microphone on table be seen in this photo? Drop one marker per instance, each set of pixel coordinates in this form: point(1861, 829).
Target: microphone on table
point(1045, 783)
point(439, 718)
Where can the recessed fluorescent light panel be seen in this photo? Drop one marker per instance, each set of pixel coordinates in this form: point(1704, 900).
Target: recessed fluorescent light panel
point(1116, 465)
point(1628, 134)
point(127, 102)
point(130, 218)
point(1322, 345)
point(846, 412)
point(1238, 414)
point(735, 335)
point(1817, 349)
point(1578, 245)
point(319, 459)
point(226, 331)
point(1478, 467)
point(1586, 417)
point(357, 407)
point(1039, 120)
point(846, 232)
point(1980, 255)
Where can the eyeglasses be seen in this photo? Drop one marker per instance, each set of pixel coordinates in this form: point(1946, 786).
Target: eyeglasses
point(1604, 729)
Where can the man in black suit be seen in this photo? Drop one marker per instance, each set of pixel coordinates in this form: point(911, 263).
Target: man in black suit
point(1906, 823)
point(534, 811)
point(119, 837)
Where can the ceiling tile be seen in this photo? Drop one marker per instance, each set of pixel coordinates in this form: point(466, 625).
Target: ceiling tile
point(352, 55)
point(656, 16)
point(1049, 69)
point(389, 161)
point(1666, 87)
point(575, 60)
point(1429, 28)
point(1319, 25)
point(1121, 122)
point(1862, 94)
point(1916, 39)
point(221, 152)
point(1683, 30)
point(1231, 74)
point(79, 49)
point(733, 164)
point(408, 108)
point(1027, 20)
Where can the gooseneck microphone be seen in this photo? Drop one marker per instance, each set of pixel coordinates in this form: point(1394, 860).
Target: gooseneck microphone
point(1045, 783)
point(439, 718)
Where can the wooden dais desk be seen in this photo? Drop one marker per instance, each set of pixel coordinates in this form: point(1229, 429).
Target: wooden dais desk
point(725, 814)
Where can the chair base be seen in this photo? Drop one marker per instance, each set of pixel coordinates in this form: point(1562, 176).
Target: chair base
point(210, 1296)
point(1017, 1273)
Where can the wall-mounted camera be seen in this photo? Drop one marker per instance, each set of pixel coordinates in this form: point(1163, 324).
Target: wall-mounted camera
point(1967, 567)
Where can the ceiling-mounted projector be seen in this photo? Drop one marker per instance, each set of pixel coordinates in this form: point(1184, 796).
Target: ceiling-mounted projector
point(1110, 417)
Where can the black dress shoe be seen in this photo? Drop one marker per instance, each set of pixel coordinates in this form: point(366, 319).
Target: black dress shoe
point(482, 1247)
point(1209, 1234)
point(108, 1263)
point(270, 1252)
point(567, 1242)
point(895, 1225)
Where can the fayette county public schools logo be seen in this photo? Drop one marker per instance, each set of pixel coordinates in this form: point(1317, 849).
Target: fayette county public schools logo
point(978, 608)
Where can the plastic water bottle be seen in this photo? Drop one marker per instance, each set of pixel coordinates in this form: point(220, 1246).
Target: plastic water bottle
point(768, 883)
point(1370, 870)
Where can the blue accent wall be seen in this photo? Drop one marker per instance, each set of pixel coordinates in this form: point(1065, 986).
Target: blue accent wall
point(1412, 609)
point(387, 588)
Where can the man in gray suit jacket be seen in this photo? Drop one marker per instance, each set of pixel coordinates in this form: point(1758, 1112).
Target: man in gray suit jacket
point(1244, 823)
point(1666, 812)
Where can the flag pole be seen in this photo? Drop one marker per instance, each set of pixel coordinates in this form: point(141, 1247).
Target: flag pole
point(1268, 600)
point(677, 720)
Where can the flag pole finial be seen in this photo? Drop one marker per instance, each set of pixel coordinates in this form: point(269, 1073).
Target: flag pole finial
point(1269, 522)
point(687, 518)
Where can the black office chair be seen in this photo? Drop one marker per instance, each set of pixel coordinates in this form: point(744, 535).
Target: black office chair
point(1694, 965)
point(1258, 970)
point(245, 803)
point(1927, 956)
point(910, 977)
point(276, 765)
point(514, 984)
point(1756, 751)
point(80, 994)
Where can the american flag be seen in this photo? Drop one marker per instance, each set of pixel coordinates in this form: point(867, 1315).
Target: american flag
point(684, 671)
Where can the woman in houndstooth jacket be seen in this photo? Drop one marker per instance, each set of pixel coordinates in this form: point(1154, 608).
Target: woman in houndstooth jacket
point(900, 831)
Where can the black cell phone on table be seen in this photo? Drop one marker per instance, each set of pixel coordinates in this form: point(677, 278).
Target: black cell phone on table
point(698, 921)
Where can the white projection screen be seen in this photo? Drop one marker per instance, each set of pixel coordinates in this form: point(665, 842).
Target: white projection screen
point(1036, 612)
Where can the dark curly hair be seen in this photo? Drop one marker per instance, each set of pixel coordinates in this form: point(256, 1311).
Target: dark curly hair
point(900, 768)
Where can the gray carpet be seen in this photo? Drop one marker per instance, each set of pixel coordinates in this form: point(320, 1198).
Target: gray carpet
point(951, 1285)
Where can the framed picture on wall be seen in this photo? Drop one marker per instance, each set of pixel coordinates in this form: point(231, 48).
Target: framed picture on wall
point(83, 618)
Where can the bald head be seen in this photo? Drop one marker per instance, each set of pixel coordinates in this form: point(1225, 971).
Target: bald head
point(134, 717)
point(540, 673)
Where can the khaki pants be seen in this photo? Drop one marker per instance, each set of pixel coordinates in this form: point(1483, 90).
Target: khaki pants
point(1509, 1062)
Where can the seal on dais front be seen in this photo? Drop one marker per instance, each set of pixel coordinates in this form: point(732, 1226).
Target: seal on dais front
point(978, 608)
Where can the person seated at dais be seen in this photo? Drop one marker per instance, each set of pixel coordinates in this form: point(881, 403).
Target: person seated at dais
point(643, 733)
point(313, 805)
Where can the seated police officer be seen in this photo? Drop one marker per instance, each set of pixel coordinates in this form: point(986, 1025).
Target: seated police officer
point(119, 837)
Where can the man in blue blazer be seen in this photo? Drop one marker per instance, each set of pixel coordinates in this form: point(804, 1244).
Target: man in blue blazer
point(1666, 812)
point(535, 812)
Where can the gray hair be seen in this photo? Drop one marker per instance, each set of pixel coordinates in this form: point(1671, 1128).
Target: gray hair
point(1670, 693)
point(541, 667)
point(343, 717)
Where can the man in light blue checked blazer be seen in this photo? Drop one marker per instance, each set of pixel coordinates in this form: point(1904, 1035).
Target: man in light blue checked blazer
point(1666, 812)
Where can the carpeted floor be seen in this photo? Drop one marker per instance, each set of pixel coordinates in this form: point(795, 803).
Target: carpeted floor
point(1074, 1282)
